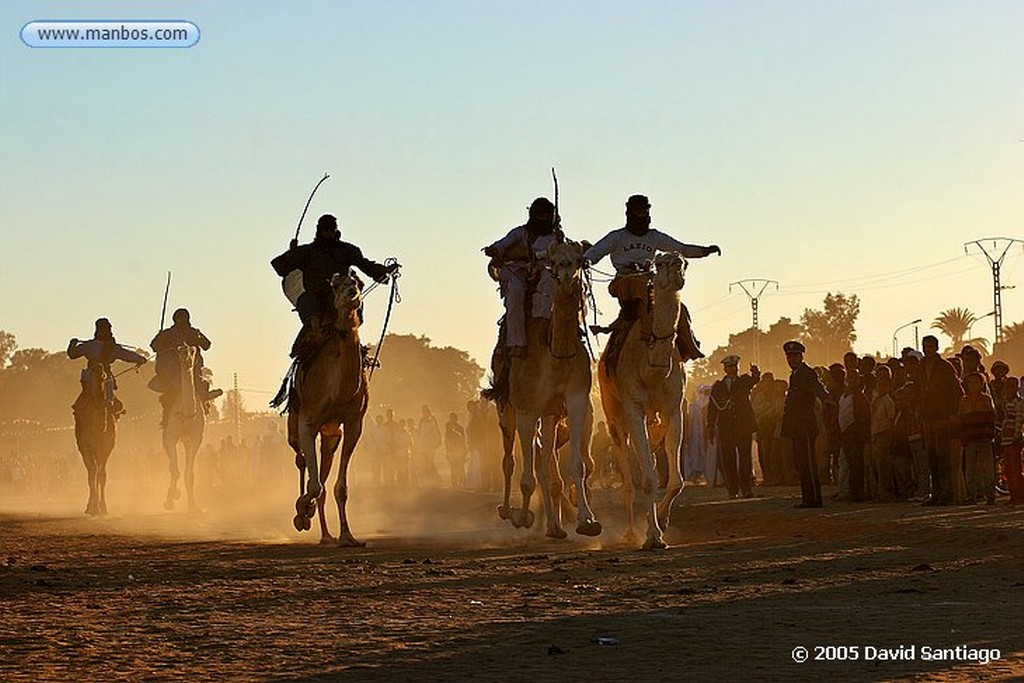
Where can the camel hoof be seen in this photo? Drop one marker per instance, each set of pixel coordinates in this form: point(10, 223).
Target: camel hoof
point(349, 541)
point(556, 533)
point(630, 538)
point(327, 539)
point(300, 523)
point(504, 512)
point(655, 544)
point(591, 528)
point(169, 504)
point(522, 519)
point(305, 505)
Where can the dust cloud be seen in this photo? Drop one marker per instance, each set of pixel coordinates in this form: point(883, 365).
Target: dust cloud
point(246, 484)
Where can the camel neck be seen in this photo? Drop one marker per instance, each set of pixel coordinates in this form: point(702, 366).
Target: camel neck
point(565, 311)
point(665, 314)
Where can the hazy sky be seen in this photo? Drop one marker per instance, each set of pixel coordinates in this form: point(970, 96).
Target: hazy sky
point(844, 146)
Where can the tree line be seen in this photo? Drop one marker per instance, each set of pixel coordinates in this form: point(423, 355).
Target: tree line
point(37, 387)
point(831, 331)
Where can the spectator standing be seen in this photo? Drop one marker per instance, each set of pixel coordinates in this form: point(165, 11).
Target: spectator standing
point(977, 421)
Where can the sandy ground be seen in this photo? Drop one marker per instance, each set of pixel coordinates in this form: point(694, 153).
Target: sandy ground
point(446, 591)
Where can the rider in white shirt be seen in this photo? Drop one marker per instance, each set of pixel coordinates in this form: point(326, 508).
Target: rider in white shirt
point(632, 249)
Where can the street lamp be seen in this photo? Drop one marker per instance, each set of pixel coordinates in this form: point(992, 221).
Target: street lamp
point(897, 331)
point(969, 327)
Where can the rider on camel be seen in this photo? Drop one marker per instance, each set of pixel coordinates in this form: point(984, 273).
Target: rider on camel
point(165, 344)
point(101, 351)
point(632, 250)
point(318, 261)
point(517, 262)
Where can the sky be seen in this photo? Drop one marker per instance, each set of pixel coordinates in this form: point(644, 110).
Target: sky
point(835, 146)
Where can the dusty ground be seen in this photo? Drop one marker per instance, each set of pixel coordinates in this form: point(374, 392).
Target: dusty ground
point(445, 591)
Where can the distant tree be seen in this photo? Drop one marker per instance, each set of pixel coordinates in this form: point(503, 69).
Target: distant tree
point(41, 386)
point(831, 331)
point(768, 355)
point(1013, 332)
point(1011, 349)
point(414, 373)
point(956, 324)
point(7, 347)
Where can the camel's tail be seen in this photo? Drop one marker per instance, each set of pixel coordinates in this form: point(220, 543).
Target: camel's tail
point(286, 388)
point(497, 392)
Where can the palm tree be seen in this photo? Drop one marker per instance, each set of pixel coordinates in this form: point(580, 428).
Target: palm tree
point(1014, 332)
point(955, 324)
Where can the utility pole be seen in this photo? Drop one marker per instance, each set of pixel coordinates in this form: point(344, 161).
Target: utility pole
point(238, 412)
point(999, 246)
point(756, 289)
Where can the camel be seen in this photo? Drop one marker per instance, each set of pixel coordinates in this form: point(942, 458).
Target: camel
point(648, 383)
point(185, 422)
point(329, 399)
point(95, 432)
point(552, 379)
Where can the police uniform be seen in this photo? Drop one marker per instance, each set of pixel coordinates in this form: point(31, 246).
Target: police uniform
point(800, 424)
point(731, 416)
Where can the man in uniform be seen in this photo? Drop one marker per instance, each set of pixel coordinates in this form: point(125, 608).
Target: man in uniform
point(165, 344)
point(100, 352)
point(632, 249)
point(517, 261)
point(731, 422)
point(799, 422)
point(318, 261)
point(939, 398)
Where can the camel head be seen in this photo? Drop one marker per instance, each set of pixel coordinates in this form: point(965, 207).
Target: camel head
point(348, 295)
point(566, 261)
point(669, 271)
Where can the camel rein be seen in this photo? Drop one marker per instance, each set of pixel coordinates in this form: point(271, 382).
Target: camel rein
point(393, 298)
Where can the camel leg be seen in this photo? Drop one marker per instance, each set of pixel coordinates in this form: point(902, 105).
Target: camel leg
point(507, 422)
point(91, 507)
point(85, 447)
point(577, 408)
point(328, 446)
point(637, 425)
point(307, 444)
point(101, 479)
point(623, 457)
point(550, 479)
point(353, 430)
point(306, 504)
point(171, 448)
point(191, 450)
point(673, 443)
point(526, 425)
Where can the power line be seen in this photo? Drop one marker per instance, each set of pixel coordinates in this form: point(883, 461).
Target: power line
point(881, 276)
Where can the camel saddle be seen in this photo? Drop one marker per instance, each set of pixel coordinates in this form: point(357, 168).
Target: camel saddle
point(635, 293)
